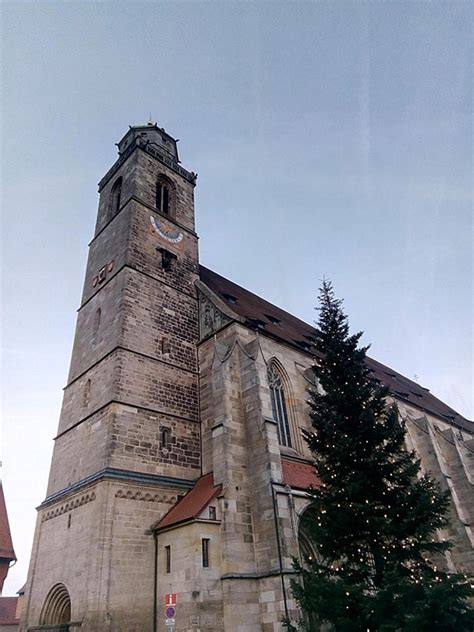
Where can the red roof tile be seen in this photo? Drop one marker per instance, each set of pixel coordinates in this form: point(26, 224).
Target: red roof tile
point(275, 322)
point(6, 544)
point(192, 504)
point(299, 475)
point(8, 611)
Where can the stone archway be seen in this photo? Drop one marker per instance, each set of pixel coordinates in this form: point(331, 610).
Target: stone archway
point(56, 610)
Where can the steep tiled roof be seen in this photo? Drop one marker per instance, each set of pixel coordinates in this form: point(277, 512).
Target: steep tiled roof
point(6, 545)
point(192, 504)
point(8, 611)
point(299, 475)
point(275, 322)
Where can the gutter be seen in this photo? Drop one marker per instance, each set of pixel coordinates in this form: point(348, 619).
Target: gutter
point(155, 584)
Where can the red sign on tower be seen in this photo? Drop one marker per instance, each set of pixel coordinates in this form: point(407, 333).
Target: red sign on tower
point(171, 599)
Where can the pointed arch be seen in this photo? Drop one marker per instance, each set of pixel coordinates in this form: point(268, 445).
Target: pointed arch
point(115, 198)
point(57, 606)
point(281, 401)
point(308, 552)
point(165, 195)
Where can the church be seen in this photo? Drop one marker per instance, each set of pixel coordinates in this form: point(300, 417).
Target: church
point(178, 476)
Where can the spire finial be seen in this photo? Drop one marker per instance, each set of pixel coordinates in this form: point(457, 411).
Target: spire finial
point(151, 122)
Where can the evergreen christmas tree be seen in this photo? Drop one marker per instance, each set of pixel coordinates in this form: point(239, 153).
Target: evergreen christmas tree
point(372, 521)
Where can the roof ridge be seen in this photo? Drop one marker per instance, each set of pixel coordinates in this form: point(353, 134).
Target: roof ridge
point(290, 329)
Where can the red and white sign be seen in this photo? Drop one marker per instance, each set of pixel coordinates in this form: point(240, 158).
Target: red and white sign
point(170, 599)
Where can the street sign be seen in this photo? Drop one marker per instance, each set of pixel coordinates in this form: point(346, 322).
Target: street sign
point(170, 621)
point(170, 599)
point(170, 612)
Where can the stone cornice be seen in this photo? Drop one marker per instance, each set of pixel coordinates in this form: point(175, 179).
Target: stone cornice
point(117, 474)
point(151, 151)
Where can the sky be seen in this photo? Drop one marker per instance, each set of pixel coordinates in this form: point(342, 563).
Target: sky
point(332, 139)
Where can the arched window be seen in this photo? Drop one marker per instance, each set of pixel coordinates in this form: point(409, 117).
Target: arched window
point(164, 195)
point(57, 606)
point(279, 404)
point(115, 195)
point(165, 438)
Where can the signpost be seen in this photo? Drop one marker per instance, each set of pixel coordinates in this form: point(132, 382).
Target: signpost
point(170, 611)
point(170, 599)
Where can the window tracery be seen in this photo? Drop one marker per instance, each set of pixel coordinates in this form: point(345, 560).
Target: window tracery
point(164, 196)
point(279, 404)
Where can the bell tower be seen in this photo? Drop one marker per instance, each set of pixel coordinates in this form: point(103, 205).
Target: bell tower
point(128, 441)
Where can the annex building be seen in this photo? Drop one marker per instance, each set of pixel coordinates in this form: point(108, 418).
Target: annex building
point(179, 466)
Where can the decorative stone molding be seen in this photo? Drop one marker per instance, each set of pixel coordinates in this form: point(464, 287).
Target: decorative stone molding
point(78, 501)
point(146, 497)
point(211, 319)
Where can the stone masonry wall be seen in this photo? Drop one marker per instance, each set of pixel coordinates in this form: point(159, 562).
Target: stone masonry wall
point(199, 589)
point(159, 321)
point(113, 554)
point(143, 255)
point(68, 466)
point(135, 443)
point(98, 332)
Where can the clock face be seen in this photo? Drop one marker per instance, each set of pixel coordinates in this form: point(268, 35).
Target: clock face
point(166, 232)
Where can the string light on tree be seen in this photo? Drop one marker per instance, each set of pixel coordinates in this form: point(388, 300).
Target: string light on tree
point(373, 519)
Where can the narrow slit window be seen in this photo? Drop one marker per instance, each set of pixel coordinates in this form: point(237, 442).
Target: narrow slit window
point(95, 329)
point(86, 395)
point(205, 552)
point(168, 558)
point(166, 438)
point(212, 513)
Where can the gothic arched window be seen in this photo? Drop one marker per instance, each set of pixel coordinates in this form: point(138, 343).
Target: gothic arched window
point(279, 404)
point(115, 195)
point(164, 195)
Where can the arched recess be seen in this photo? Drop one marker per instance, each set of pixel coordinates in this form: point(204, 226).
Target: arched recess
point(96, 325)
point(307, 548)
point(308, 552)
point(165, 196)
point(283, 408)
point(115, 198)
point(57, 606)
point(86, 394)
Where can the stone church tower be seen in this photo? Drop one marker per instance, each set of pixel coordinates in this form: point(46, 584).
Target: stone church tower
point(179, 465)
point(132, 390)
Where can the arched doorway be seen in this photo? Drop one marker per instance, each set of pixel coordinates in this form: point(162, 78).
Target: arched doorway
point(57, 607)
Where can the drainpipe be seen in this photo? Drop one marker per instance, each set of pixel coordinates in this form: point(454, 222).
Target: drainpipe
point(155, 584)
point(280, 559)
